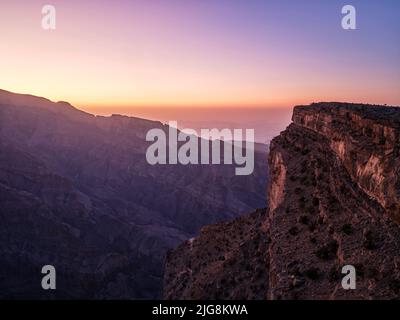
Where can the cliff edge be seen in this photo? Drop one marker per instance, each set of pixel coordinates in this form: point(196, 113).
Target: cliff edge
point(333, 201)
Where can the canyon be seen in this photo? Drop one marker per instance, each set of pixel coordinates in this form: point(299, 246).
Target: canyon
point(333, 200)
point(77, 193)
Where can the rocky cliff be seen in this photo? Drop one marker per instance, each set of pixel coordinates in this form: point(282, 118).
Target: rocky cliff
point(333, 201)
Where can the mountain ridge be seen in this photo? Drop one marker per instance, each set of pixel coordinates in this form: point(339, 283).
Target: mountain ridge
point(78, 193)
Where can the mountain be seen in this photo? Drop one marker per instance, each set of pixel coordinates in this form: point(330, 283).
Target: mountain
point(333, 195)
point(76, 192)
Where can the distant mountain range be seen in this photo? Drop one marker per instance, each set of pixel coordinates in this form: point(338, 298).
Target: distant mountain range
point(76, 192)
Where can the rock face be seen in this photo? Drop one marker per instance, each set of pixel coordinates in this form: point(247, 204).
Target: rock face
point(227, 261)
point(77, 192)
point(366, 139)
point(334, 201)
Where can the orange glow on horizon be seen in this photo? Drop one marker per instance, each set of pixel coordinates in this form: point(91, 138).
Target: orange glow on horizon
point(103, 58)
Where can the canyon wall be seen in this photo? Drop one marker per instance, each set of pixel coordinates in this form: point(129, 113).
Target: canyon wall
point(366, 139)
point(333, 201)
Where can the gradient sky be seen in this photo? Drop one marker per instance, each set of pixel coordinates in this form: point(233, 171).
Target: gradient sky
point(201, 52)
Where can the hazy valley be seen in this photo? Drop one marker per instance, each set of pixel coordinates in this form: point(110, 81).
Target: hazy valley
point(77, 193)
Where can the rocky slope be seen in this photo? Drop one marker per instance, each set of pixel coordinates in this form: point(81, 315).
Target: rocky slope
point(227, 261)
point(77, 192)
point(333, 201)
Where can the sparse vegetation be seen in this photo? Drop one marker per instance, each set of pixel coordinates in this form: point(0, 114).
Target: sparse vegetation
point(347, 228)
point(311, 210)
point(313, 273)
point(369, 241)
point(328, 251)
point(334, 274)
point(312, 226)
point(313, 240)
point(293, 231)
point(304, 220)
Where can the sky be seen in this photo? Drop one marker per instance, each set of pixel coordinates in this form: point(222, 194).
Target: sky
point(201, 53)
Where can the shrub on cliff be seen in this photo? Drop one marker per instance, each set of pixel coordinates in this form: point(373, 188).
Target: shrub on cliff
point(328, 251)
